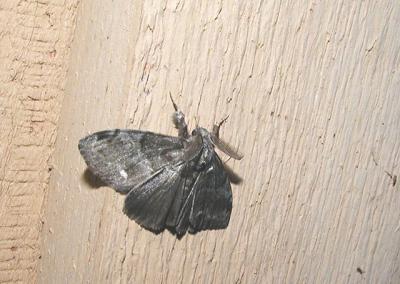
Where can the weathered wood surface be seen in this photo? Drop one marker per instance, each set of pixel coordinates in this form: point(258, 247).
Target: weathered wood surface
point(312, 90)
point(34, 46)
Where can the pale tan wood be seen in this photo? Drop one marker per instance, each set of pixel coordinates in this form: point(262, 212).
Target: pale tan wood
point(34, 46)
point(312, 90)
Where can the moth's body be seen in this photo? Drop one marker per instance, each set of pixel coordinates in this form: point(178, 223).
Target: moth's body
point(200, 143)
point(178, 183)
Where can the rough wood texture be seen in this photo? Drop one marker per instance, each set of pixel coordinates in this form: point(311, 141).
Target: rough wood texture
point(34, 47)
point(312, 90)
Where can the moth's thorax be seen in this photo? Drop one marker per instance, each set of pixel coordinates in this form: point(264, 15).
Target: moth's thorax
point(207, 147)
point(204, 135)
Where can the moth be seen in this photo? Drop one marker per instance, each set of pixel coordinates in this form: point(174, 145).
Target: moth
point(175, 183)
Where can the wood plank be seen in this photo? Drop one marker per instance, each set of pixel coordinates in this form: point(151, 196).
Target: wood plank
point(312, 90)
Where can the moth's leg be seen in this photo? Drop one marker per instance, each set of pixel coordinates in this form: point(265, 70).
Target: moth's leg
point(179, 121)
point(223, 146)
point(218, 126)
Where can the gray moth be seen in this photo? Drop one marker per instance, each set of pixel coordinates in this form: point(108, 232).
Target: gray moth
point(175, 183)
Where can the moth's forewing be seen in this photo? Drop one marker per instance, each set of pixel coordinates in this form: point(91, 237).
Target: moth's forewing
point(178, 217)
point(212, 203)
point(149, 203)
point(124, 158)
point(165, 199)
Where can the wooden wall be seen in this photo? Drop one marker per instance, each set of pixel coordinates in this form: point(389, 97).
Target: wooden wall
point(313, 94)
point(35, 40)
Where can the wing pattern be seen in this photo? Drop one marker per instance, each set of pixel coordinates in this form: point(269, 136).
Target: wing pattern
point(125, 158)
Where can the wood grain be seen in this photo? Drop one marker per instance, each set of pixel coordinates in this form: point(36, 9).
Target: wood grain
point(34, 46)
point(312, 90)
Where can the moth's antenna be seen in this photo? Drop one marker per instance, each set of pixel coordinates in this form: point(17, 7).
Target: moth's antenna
point(223, 121)
point(218, 126)
point(173, 103)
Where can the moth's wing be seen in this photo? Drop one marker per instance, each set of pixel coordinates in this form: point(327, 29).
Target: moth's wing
point(212, 199)
point(165, 199)
point(178, 217)
point(149, 203)
point(125, 158)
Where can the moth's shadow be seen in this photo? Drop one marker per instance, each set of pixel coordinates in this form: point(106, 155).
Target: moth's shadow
point(90, 179)
point(233, 177)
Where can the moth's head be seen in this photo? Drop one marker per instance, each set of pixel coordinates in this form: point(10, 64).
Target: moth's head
point(178, 117)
